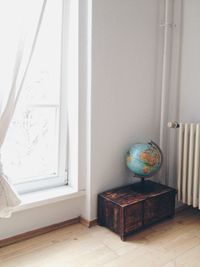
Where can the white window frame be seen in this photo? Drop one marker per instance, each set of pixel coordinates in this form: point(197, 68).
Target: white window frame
point(68, 108)
point(75, 79)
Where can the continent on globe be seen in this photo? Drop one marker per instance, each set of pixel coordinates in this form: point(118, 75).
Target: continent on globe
point(149, 157)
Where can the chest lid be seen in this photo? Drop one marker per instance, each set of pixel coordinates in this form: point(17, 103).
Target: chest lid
point(134, 193)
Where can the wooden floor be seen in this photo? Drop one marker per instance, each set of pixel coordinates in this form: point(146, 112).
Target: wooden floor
point(173, 243)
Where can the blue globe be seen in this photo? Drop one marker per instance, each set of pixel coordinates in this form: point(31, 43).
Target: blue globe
point(144, 160)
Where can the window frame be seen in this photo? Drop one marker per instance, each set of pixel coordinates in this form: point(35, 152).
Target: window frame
point(43, 183)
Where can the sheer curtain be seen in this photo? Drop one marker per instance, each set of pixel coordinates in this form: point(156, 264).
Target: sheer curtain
point(9, 198)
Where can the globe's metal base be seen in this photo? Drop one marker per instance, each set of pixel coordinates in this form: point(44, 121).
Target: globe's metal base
point(142, 180)
point(142, 186)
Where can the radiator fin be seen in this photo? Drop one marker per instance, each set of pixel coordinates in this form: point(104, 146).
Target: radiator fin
point(189, 164)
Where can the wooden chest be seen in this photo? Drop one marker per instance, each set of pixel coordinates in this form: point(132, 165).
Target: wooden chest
point(127, 209)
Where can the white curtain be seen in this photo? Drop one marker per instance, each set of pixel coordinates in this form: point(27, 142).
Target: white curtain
point(9, 199)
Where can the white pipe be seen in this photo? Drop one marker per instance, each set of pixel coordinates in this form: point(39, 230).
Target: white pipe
point(164, 87)
point(164, 75)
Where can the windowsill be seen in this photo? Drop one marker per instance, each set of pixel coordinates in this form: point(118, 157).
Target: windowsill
point(39, 198)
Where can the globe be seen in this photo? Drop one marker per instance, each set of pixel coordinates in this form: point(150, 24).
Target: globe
point(144, 160)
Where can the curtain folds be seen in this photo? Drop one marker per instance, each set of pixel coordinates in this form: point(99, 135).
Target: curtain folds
point(9, 198)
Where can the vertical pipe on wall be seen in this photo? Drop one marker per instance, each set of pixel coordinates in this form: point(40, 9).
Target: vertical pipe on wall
point(163, 85)
point(174, 91)
point(167, 26)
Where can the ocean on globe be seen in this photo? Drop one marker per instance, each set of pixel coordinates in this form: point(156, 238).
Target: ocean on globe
point(144, 160)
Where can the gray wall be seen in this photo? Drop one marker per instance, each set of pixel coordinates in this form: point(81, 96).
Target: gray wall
point(125, 99)
point(190, 63)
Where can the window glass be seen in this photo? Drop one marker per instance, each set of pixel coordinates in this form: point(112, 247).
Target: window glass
point(31, 148)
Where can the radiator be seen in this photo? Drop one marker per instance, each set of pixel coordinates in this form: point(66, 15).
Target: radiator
point(189, 164)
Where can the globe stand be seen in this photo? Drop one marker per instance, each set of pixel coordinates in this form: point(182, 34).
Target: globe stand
point(142, 186)
point(142, 181)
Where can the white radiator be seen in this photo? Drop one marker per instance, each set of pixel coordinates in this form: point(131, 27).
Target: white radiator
point(189, 164)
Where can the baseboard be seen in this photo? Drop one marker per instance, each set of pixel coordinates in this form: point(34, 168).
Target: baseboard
point(87, 223)
point(50, 228)
point(37, 232)
point(44, 230)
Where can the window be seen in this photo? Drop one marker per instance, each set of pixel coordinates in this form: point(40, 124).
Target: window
point(34, 154)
